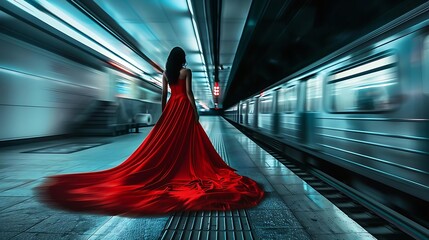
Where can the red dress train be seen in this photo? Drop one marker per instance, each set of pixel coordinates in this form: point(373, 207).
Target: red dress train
point(176, 168)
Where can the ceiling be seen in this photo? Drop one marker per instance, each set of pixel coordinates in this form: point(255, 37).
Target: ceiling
point(244, 45)
point(208, 31)
point(282, 37)
point(156, 27)
point(136, 36)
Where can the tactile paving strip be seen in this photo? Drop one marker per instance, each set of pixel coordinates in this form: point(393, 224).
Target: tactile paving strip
point(67, 148)
point(210, 225)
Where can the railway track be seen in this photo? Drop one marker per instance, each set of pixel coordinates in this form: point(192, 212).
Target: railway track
point(376, 220)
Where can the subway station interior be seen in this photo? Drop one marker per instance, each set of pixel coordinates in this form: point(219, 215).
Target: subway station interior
point(321, 102)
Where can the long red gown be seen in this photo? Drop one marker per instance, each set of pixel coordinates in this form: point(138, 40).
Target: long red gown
point(176, 168)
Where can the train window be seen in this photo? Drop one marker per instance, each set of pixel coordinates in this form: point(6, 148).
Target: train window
point(314, 94)
point(251, 107)
point(243, 108)
point(287, 98)
point(265, 103)
point(368, 87)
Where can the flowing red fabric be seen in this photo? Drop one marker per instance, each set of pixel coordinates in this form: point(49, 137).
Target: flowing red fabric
point(176, 168)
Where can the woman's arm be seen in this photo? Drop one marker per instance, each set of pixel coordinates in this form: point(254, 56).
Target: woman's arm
point(164, 92)
point(190, 93)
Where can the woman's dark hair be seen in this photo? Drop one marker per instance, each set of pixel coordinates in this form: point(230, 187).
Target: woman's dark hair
point(175, 61)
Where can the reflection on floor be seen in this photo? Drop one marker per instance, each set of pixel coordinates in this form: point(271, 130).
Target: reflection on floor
point(291, 209)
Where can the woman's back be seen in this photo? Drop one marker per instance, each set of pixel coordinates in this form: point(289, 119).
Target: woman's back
point(179, 87)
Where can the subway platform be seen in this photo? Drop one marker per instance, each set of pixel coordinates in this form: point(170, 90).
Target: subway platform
point(292, 209)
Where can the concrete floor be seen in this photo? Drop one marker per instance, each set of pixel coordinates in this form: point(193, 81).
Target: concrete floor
point(291, 210)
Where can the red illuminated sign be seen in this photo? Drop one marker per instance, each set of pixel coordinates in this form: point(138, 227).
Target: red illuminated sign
point(216, 89)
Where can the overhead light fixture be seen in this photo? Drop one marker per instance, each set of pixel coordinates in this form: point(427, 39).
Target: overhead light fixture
point(197, 36)
point(77, 31)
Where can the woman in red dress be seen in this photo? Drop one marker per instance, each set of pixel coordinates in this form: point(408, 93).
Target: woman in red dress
point(176, 168)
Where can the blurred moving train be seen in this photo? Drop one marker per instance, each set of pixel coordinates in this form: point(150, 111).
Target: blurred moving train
point(44, 94)
point(363, 108)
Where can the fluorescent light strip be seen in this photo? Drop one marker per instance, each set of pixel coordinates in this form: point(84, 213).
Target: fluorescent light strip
point(70, 20)
point(197, 35)
point(53, 22)
point(194, 26)
point(204, 105)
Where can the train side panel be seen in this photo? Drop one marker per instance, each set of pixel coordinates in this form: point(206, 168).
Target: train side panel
point(374, 127)
point(366, 111)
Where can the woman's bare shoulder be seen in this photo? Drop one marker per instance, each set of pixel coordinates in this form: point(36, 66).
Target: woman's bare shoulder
point(184, 72)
